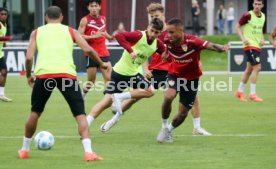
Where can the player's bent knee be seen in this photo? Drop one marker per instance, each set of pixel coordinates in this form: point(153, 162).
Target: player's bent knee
point(151, 93)
point(169, 98)
point(248, 71)
point(258, 67)
point(4, 72)
point(184, 115)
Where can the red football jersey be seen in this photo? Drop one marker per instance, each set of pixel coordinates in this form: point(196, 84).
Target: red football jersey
point(156, 59)
point(94, 25)
point(185, 57)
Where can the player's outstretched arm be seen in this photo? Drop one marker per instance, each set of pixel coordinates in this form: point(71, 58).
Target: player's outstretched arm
point(108, 36)
point(29, 58)
point(5, 38)
point(271, 38)
point(147, 72)
point(217, 47)
point(81, 42)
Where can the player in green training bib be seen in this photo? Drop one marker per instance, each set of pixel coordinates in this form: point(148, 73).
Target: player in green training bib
point(252, 38)
point(139, 46)
point(54, 43)
point(3, 65)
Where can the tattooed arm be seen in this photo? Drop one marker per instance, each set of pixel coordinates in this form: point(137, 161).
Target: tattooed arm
point(217, 47)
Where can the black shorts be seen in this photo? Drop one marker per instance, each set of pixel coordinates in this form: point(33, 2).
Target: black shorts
point(69, 88)
point(3, 64)
point(187, 89)
point(91, 63)
point(118, 83)
point(158, 78)
point(253, 57)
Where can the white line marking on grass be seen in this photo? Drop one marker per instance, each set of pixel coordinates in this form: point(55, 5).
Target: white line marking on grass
point(20, 137)
point(224, 135)
point(181, 135)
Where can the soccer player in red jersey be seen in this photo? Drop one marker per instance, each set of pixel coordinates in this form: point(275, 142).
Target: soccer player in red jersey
point(93, 29)
point(158, 70)
point(183, 73)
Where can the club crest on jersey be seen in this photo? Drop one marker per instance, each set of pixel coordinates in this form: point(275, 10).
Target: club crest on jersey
point(184, 47)
point(102, 20)
point(238, 59)
point(171, 82)
point(258, 59)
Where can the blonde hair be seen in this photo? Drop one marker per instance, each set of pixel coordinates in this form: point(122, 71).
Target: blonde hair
point(194, 2)
point(155, 7)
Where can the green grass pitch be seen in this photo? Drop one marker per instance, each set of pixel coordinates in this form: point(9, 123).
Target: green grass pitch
point(245, 136)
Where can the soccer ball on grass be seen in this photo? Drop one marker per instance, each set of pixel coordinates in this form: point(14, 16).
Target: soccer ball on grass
point(44, 140)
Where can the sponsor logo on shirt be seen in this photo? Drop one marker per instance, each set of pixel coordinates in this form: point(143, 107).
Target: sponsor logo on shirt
point(183, 61)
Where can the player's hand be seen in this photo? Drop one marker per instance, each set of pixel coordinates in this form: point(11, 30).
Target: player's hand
point(111, 38)
point(98, 34)
point(245, 42)
point(147, 74)
point(104, 65)
point(165, 55)
point(30, 81)
point(262, 43)
point(226, 47)
point(133, 56)
point(108, 37)
point(274, 44)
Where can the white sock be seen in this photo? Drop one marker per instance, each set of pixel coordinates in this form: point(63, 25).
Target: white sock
point(89, 119)
point(87, 145)
point(196, 122)
point(116, 117)
point(2, 91)
point(123, 96)
point(241, 87)
point(252, 88)
point(170, 127)
point(26, 143)
point(83, 94)
point(165, 123)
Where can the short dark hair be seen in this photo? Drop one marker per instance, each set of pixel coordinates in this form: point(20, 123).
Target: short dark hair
point(157, 24)
point(176, 22)
point(3, 9)
point(91, 1)
point(260, 1)
point(53, 12)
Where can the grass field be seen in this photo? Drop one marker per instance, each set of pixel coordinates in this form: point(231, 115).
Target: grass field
point(214, 60)
point(245, 136)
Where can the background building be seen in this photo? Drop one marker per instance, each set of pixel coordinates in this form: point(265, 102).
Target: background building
point(25, 15)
